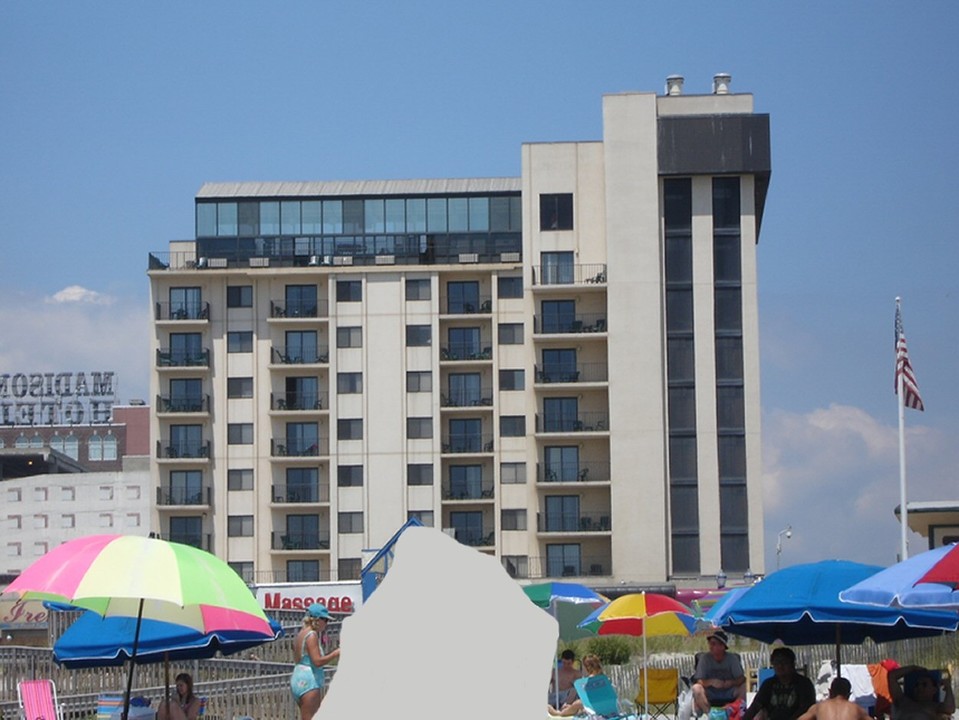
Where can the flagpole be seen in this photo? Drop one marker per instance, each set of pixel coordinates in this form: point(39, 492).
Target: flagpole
point(901, 403)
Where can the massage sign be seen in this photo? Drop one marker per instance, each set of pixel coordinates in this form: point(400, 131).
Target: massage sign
point(64, 398)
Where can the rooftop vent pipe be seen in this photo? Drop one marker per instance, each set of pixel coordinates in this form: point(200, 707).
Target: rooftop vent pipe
point(674, 85)
point(721, 83)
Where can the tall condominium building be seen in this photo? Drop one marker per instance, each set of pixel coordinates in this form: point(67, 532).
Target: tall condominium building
point(561, 369)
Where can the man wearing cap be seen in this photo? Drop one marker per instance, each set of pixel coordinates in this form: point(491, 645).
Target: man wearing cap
point(719, 675)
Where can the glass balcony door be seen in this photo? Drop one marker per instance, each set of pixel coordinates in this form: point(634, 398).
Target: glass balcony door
point(559, 366)
point(562, 513)
point(559, 316)
point(562, 463)
point(464, 389)
point(561, 414)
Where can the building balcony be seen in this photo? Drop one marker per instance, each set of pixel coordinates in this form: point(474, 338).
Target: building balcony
point(583, 422)
point(482, 305)
point(539, 567)
point(182, 405)
point(483, 397)
point(182, 312)
point(460, 444)
point(281, 309)
point(583, 323)
point(203, 541)
point(293, 402)
point(300, 541)
point(573, 472)
point(167, 358)
point(573, 522)
point(292, 447)
point(166, 450)
point(299, 356)
point(300, 494)
point(485, 538)
point(551, 275)
point(186, 497)
point(467, 490)
point(582, 373)
point(467, 352)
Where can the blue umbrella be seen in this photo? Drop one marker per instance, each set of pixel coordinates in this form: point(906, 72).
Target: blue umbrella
point(800, 605)
point(905, 585)
point(95, 641)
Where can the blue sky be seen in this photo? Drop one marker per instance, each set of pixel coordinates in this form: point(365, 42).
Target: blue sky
point(113, 114)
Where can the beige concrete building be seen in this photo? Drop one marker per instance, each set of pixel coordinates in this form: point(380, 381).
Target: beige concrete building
point(562, 368)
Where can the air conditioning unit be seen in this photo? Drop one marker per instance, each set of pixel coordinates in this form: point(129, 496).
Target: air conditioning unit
point(314, 260)
point(202, 262)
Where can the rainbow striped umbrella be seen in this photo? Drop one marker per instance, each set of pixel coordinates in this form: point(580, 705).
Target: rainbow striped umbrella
point(143, 578)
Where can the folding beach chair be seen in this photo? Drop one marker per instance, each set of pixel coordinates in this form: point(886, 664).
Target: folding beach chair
point(38, 700)
point(600, 699)
point(663, 694)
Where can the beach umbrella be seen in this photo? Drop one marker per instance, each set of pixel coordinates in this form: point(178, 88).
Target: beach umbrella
point(800, 605)
point(926, 580)
point(550, 595)
point(143, 578)
point(646, 615)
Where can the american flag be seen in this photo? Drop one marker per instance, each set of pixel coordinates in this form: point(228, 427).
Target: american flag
point(910, 388)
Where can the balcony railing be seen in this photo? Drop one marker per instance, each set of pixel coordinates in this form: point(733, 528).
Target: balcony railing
point(204, 541)
point(467, 491)
point(574, 472)
point(318, 493)
point(482, 305)
point(295, 447)
point(583, 372)
point(181, 358)
point(184, 496)
point(300, 541)
point(589, 274)
point(538, 567)
point(467, 443)
point(467, 351)
point(305, 401)
point(299, 309)
point(478, 398)
point(582, 422)
point(579, 324)
point(476, 538)
point(192, 404)
point(573, 522)
point(166, 449)
point(299, 355)
point(182, 311)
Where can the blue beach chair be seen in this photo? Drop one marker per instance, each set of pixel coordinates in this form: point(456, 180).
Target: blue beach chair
point(600, 699)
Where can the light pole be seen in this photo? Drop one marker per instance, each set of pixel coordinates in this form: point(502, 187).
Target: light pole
point(788, 532)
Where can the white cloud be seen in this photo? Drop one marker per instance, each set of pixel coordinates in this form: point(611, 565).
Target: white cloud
point(833, 475)
point(89, 333)
point(79, 294)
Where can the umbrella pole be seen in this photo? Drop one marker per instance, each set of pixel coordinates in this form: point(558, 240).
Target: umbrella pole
point(552, 607)
point(133, 657)
point(838, 650)
point(166, 678)
point(645, 679)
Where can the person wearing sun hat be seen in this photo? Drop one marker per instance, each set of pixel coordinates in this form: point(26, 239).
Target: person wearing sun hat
point(719, 676)
point(307, 681)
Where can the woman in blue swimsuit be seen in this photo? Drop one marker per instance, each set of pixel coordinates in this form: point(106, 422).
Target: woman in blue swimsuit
point(306, 682)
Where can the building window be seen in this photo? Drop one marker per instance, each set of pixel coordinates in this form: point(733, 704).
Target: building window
point(349, 290)
point(349, 337)
point(239, 387)
point(68, 494)
point(349, 429)
point(462, 297)
point(419, 335)
point(512, 473)
point(349, 383)
point(563, 560)
point(464, 390)
point(511, 333)
point(556, 211)
point(419, 427)
point(239, 433)
point(303, 439)
point(513, 519)
point(300, 301)
point(557, 268)
point(109, 447)
point(418, 289)
point(186, 487)
point(302, 485)
point(516, 566)
point(95, 448)
point(465, 344)
point(40, 522)
point(350, 522)
point(510, 286)
point(186, 303)
point(68, 520)
point(349, 476)
point(243, 569)
point(301, 347)
point(106, 493)
point(512, 426)
point(424, 516)
point(419, 474)
point(302, 570)
point(349, 568)
point(300, 393)
point(239, 479)
point(512, 379)
point(239, 296)
point(419, 381)
point(239, 342)
point(239, 526)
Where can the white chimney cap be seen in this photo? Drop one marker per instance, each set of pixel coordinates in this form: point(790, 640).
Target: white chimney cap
point(721, 83)
point(674, 84)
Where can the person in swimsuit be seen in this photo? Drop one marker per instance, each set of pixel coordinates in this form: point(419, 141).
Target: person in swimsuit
point(186, 705)
point(306, 682)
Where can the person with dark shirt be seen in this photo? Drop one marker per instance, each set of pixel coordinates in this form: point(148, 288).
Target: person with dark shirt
point(784, 696)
